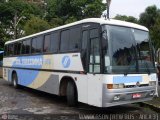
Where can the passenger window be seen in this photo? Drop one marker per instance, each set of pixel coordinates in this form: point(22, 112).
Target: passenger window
point(74, 39)
point(54, 42)
point(70, 40)
point(26, 47)
point(64, 41)
point(11, 49)
point(47, 43)
point(17, 48)
point(34, 44)
point(23, 47)
point(6, 50)
point(37, 44)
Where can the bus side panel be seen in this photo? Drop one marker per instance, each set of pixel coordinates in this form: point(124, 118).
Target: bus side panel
point(26, 77)
point(7, 74)
point(7, 71)
point(51, 85)
point(39, 80)
point(95, 89)
point(82, 88)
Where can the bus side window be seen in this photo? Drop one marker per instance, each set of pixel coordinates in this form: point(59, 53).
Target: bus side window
point(70, 39)
point(11, 49)
point(6, 50)
point(54, 42)
point(23, 47)
point(16, 50)
point(37, 44)
point(28, 46)
point(47, 43)
point(74, 39)
point(64, 41)
point(33, 48)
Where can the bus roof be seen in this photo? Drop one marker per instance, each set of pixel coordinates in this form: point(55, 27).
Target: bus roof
point(89, 20)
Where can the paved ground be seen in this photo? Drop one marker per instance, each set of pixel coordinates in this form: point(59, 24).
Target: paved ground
point(26, 103)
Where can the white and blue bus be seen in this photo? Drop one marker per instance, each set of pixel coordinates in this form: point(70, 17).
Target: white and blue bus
point(94, 61)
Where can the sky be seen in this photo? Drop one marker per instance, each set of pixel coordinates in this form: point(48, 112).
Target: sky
point(131, 7)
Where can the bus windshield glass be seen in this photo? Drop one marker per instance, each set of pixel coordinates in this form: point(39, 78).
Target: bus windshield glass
point(129, 50)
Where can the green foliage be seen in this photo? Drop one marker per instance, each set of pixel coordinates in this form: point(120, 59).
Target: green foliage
point(148, 18)
point(70, 20)
point(155, 33)
point(73, 10)
point(55, 22)
point(50, 9)
point(13, 16)
point(35, 25)
point(93, 9)
point(126, 18)
point(151, 19)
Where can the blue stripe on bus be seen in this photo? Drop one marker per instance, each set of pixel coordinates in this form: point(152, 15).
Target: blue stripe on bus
point(126, 79)
point(26, 77)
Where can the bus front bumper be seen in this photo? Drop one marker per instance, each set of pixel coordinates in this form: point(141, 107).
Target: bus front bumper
point(113, 97)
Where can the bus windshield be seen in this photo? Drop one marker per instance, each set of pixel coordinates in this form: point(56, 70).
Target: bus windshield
point(129, 50)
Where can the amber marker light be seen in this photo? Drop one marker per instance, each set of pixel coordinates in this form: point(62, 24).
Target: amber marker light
point(110, 86)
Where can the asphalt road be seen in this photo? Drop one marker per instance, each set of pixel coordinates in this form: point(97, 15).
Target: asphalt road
point(25, 103)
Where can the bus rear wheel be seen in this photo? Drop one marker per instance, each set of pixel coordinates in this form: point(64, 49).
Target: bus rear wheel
point(15, 80)
point(71, 94)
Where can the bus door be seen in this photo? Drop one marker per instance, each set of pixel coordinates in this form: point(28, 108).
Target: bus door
point(93, 65)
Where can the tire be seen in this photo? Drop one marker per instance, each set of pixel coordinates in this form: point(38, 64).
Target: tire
point(71, 94)
point(15, 80)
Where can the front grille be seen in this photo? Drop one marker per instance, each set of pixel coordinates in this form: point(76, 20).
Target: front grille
point(132, 86)
point(143, 85)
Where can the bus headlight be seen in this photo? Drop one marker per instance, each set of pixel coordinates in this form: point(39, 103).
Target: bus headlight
point(115, 86)
point(152, 83)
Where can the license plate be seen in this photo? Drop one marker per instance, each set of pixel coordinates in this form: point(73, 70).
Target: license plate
point(136, 95)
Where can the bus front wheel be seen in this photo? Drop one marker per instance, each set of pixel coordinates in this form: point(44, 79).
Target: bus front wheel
point(71, 94)
point(15, 80)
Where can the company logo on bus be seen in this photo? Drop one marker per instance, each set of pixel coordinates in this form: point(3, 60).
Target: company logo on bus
point(66, 61)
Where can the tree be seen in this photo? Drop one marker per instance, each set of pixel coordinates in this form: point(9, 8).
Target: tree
point(155, 33)
point(35, 25)
point(148, 18)
point(93, 9)
point(126, 18)
point(73, 10)
point(13, 15)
